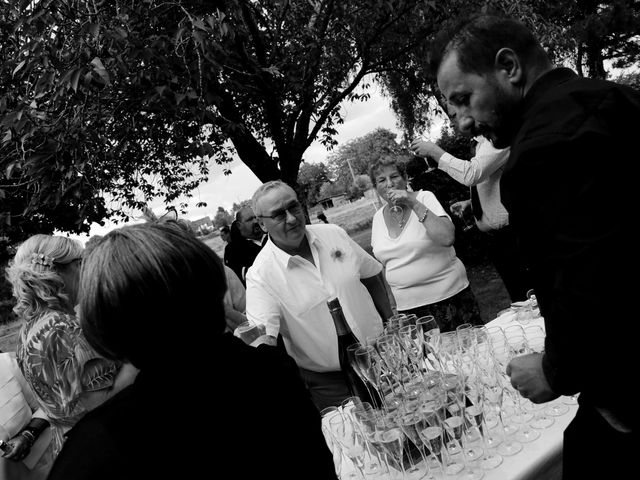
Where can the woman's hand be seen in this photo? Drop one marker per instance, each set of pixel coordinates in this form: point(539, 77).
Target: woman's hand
point(17, 448)
point(401, 197)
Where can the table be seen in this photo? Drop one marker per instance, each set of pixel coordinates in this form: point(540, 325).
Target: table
point(542, 458)
point(538, 460)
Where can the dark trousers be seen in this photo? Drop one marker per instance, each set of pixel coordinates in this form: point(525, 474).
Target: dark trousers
point(505, 255)
point(452, 312)
point(327, 389)
point(594, 449)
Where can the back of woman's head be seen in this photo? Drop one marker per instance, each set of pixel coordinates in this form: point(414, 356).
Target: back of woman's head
point(150, 289)
point(34, 274)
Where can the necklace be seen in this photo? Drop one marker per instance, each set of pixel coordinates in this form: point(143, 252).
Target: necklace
point(397, 213)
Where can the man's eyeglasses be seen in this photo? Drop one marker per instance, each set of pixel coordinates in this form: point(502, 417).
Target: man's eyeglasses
point(280, 216)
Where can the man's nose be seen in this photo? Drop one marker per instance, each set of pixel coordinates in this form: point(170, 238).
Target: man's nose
point(290, 217)
point(465, 124)
point(463, 121)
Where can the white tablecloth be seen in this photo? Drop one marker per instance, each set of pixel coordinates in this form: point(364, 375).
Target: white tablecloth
point(542, 458)
point(538, 460)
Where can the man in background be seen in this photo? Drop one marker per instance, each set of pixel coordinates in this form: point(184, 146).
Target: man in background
point(246, 240)
point(225, 233)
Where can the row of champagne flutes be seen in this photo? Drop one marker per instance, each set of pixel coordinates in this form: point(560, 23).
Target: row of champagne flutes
point(445, 398)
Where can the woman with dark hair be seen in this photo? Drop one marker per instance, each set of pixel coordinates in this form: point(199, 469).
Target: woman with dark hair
point(142, 299)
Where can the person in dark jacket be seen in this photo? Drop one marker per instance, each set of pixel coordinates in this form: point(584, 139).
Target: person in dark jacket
point(573, 151)
point(203, 401)
point(240, 252)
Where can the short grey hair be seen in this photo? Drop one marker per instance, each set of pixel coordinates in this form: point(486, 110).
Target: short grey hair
point(264, 189)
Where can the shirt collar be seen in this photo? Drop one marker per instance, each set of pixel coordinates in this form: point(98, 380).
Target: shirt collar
point(283, 257)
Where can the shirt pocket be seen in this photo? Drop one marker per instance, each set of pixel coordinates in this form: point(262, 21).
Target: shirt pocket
point(302, 297)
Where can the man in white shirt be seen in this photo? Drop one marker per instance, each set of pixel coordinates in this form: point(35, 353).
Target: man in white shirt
point(298, 270)
point(483, 173)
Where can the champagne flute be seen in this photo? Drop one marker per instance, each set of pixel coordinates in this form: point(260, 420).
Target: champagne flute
point(346, 434)
point(412, 422)
point(430, 332)
point(351, 355)
point(396, 211)
point(390, 436)
point(368, 361)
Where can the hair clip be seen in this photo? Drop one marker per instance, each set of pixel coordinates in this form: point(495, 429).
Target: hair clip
point(41, 259)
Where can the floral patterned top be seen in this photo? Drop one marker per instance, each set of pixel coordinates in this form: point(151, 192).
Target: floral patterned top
point(61, 366)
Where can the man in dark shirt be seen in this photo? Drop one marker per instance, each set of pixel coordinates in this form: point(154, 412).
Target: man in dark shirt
point(246, 241)
point(573, 163)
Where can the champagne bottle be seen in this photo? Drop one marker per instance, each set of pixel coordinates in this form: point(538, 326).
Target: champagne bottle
point(4, 446)
point(346, 338)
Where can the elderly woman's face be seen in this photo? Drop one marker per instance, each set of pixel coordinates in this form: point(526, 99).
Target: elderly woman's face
point(389, 178)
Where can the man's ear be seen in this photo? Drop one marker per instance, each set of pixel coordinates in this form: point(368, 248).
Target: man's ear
point(509, 64)
point(261, 223)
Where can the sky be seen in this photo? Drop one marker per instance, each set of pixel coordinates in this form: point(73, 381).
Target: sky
point(360, 118)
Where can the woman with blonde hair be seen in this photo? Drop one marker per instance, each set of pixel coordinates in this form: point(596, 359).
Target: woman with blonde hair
point(66, 374)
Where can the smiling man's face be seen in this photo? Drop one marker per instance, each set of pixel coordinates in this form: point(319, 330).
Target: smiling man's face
point(282, 216)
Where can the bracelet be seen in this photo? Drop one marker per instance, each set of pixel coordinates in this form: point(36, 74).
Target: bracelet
point(31, 438)
point(424, 216)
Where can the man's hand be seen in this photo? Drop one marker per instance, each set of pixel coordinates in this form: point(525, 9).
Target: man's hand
point(266, 340)
point(527, 377)
point(424, 148)
point(458, 208)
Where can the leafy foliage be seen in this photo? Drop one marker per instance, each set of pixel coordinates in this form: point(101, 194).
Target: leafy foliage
point(105, 105)
point(222, 217)
point(311, 177)
point(92, 106)
point(354, 157)
point(130, 100)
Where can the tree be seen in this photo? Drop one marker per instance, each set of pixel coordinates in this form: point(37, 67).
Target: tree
point(106, 105)
point(130, 100)
point(91, 109)
point(311, 177)
point(222, 217)
point(330, 189)
point(632, 79)
point(354, 157)
point(453, 142)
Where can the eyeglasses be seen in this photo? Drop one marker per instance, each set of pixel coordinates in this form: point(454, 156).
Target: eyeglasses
point(280, 216)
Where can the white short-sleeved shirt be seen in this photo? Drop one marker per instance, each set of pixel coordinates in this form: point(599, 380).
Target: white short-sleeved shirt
point(418, 270)
point(289, 295)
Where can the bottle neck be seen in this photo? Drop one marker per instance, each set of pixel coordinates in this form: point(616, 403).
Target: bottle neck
point(342, 327)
